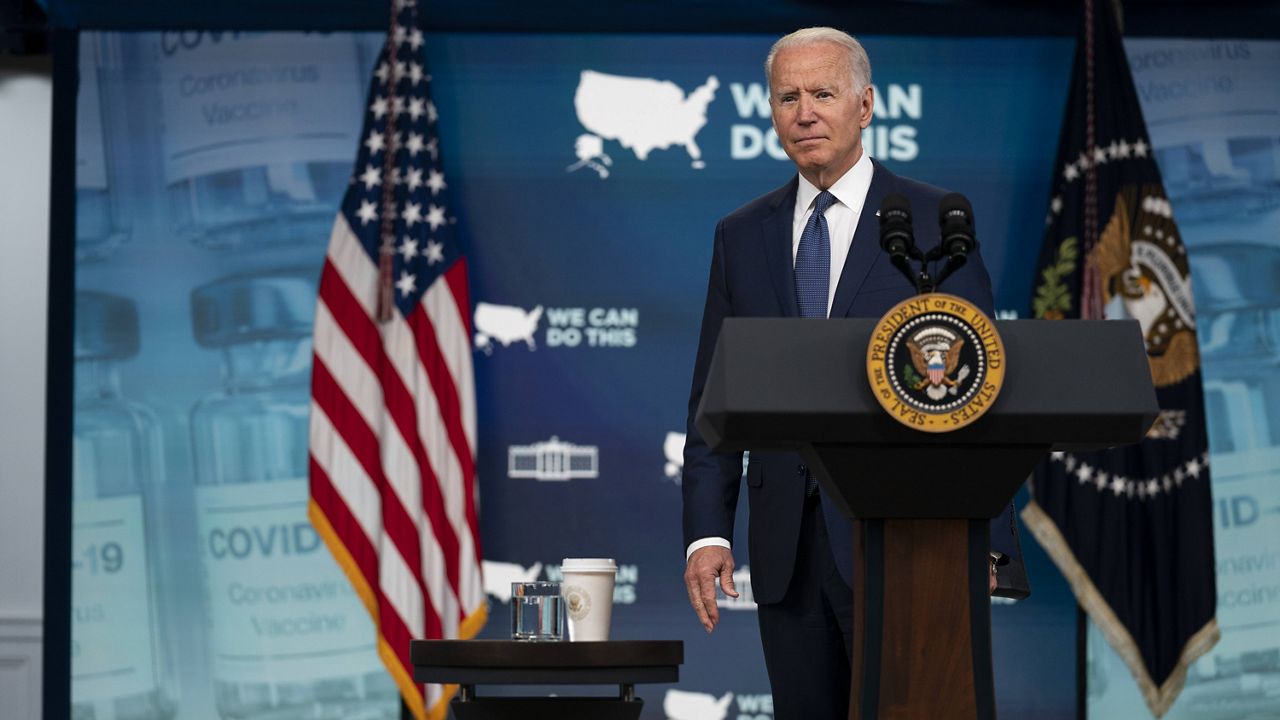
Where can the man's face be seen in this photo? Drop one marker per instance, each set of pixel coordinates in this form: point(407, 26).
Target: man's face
point(817, 113)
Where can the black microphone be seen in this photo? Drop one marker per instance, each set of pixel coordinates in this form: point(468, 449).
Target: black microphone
point(896, 235)
point(955, 218)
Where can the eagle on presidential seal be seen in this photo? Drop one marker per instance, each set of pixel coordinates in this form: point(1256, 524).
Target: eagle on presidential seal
point(935, 355)
point(1146, 277)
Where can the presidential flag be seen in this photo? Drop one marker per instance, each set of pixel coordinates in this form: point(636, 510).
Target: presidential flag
point(1130, 528)
point(393, 413)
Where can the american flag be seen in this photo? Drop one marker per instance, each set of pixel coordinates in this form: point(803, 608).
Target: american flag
point(393, 412)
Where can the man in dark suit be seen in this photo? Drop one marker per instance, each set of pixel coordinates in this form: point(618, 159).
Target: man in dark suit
point(808, 249)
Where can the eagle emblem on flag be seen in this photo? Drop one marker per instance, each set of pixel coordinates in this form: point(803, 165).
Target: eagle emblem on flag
point(1146, 277)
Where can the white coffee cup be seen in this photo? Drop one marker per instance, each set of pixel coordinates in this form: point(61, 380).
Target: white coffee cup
point(587, 587)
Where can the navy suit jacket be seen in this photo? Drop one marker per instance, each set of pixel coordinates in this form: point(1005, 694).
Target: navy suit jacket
point(752, 275)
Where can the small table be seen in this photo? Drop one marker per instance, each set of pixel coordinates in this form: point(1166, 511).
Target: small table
point(508, 662)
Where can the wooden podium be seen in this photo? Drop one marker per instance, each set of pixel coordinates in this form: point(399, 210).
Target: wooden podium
point(922, 617)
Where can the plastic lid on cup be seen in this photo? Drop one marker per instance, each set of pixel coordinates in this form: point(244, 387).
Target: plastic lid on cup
point(600, 565)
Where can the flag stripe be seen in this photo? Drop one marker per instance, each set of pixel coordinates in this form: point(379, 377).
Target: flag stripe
point(358, 383)
point(397, 634)
point(460, 504)
point(396, 461)
point(442, 586)
point(343, 473)
point(400, 534)
point(354, 321)
point(457, 277)
point(436, 325)
point(398, 584)
point(453, 337)
point(446, 395)
point(362, 553)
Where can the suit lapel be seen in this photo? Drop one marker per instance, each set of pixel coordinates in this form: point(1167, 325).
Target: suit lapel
point(777, 231)
point(866, 242)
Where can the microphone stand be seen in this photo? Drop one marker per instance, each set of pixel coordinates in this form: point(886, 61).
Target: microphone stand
point(955, 261)
point(922, 279)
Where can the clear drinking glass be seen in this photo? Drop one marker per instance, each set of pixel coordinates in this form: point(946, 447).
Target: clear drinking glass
point(537, 611)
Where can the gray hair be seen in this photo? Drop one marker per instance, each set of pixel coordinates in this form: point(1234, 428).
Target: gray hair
point(857, 56)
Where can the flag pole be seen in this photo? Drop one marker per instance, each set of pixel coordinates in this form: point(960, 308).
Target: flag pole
point(386, 300)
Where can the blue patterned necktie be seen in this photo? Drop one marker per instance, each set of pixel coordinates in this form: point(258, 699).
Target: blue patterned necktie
point(813, 278)
point(813, 261)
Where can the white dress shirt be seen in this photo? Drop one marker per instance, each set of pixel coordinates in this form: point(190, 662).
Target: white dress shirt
point(842, 217)
point(842, 220)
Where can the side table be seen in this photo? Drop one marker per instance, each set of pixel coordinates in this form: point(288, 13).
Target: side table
point(469, 663)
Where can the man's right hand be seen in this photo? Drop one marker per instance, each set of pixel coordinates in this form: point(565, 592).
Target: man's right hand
point(706, 566)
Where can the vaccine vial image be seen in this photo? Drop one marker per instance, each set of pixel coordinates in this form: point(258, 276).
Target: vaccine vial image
point(119, 668)
point(258, 133)
point(289, 637)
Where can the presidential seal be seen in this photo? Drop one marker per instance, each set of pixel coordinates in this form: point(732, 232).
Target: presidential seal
point(935, 362)
point(577, 600)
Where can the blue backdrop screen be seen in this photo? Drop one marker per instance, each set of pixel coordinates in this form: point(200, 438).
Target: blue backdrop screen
point(588, 173)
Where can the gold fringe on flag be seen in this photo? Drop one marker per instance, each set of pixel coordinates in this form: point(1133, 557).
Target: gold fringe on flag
point(1159, 698)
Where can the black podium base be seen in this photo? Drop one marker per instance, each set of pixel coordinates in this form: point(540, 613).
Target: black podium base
point(541, 708)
